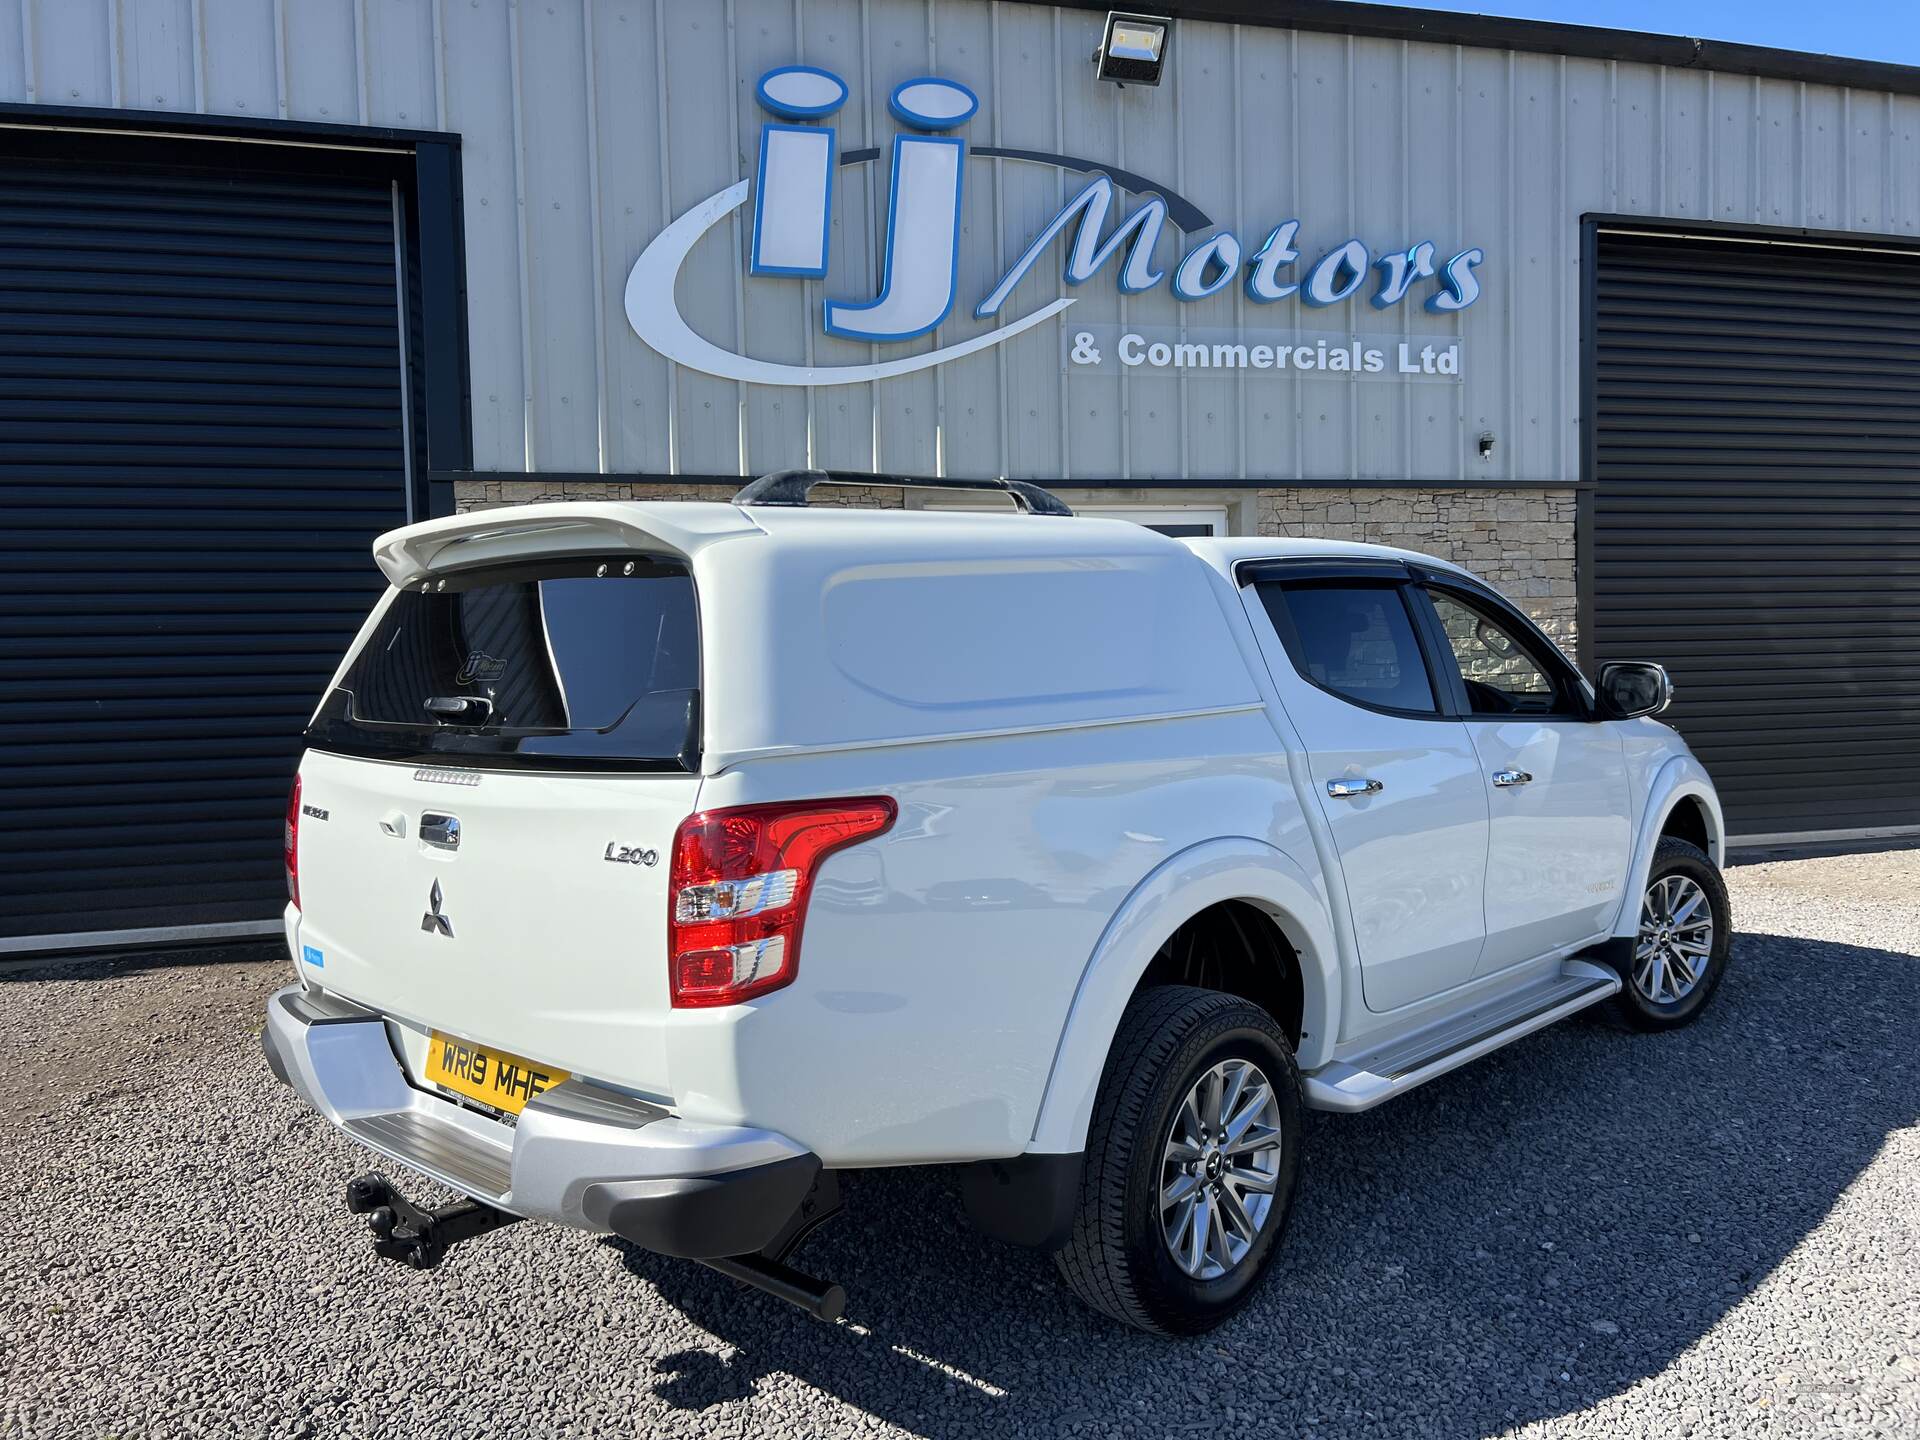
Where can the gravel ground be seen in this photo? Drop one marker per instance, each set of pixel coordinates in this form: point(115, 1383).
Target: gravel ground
point(1709, 1233)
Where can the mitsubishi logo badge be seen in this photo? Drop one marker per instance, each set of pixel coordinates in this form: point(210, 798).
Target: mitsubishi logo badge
point(433, 920)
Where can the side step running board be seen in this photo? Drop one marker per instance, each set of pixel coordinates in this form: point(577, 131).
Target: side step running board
point(1366, 1080)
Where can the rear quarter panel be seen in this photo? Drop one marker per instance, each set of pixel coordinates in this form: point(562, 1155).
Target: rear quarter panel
point(940, 962)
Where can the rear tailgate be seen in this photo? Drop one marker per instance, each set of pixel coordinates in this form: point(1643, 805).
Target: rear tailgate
point(491, 793)
point(538, 942)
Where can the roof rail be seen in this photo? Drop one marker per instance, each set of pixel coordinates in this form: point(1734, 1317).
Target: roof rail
point(790, 487)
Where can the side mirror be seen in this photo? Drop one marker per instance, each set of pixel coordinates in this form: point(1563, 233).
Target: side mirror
point(1629, 688)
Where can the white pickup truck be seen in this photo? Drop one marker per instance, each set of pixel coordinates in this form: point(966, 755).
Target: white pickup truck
point(652, 863)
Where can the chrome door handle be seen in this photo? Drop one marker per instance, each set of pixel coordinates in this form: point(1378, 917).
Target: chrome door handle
point(1353, 789)
point(1507, 778)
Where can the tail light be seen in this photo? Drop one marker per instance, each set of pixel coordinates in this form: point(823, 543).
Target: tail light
point(738, 889)
point(291, 846)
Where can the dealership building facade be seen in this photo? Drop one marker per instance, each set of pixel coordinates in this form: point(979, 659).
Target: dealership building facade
point(1629, 324)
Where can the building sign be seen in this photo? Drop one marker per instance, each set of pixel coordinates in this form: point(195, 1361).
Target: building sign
point(1151, 350)
point(792, 192)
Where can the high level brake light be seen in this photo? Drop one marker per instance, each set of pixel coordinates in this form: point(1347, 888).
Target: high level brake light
point(290, 847)
point(738, 888)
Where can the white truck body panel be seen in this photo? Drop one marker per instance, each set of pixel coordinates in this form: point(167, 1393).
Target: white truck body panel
point(1089, 737)
point(577, 980)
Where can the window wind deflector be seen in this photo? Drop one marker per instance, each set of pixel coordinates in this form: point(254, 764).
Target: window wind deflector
point(1320, 567)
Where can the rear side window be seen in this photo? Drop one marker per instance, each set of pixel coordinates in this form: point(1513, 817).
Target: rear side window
point(1356, 640)
point(563, 660)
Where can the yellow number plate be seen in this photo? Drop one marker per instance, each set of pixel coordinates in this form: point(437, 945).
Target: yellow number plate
point(493, 1077)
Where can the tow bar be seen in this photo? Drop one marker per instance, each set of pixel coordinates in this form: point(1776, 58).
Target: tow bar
point(410, 1235)
point(404, 1232)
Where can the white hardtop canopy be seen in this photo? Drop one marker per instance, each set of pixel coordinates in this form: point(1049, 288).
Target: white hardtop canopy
point(827, 627)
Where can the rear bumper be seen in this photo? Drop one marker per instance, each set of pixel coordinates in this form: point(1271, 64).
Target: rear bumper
point(579, 1155)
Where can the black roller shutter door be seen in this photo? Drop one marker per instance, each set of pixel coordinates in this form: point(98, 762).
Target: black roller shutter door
point(201, 410)
point(1756, 517)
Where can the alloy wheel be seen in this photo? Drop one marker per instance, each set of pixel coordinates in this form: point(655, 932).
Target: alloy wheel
point(1220, 1168)
point(1675, 944)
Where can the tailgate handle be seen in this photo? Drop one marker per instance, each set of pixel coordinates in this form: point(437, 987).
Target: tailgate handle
point(466, 709)
point(440, 831)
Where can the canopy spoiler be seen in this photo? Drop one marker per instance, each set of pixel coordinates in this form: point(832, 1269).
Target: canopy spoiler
point(491, 537)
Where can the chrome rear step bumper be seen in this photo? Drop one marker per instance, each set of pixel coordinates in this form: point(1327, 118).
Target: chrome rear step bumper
point(579, 1155)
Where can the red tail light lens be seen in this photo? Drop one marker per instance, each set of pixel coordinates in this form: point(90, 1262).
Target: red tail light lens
point(291, 846)
point(738, 887)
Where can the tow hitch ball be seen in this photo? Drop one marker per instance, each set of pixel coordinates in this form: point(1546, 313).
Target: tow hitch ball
point(404, 1232)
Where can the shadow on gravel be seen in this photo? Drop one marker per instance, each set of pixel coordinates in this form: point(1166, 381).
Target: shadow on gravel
point(1514, 1242)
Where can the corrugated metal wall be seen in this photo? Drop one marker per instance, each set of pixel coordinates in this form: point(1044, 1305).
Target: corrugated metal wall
point(588, 123)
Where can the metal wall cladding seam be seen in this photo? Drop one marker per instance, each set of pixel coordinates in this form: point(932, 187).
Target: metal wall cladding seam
point(587, 125)
point(200, 433)
point(1757, 517)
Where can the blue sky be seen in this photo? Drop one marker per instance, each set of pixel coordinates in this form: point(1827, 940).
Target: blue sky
point(1863, 29)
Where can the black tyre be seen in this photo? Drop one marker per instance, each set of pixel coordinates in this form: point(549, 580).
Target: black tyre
point(1178, 1222)
point(1680, 953)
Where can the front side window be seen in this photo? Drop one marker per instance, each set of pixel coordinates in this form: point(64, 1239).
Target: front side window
point(1502, 676)
point(1354, 639)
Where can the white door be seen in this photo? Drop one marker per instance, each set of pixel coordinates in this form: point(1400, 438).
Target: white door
point(1397, 777)
point(1560, 836)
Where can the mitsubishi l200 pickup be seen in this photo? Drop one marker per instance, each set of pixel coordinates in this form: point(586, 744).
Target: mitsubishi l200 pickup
point(650, 865)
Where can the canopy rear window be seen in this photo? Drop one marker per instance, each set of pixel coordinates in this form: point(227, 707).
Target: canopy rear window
point(558, 660)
